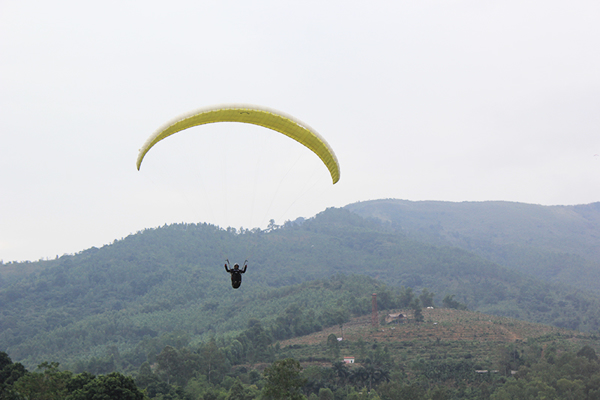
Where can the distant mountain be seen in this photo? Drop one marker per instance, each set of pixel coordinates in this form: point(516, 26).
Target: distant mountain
point(553, 243)
point(167, 283)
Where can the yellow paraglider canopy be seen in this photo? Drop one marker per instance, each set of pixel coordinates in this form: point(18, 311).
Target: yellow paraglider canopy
point(250, 114)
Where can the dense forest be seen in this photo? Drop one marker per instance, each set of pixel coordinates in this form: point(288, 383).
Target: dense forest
point(160, 299)
point(553, 243)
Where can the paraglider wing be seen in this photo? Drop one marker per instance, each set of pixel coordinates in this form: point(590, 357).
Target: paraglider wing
point(250, 114)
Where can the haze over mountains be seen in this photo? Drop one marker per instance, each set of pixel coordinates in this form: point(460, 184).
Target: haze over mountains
point(554, 243)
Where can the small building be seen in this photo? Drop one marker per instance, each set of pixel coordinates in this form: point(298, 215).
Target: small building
point(349, 360)
point(397, 318)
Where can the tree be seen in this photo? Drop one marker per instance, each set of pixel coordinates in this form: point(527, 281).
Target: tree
point(79, 381)
point(426, 298)
point(449, 302)
point(334, 347)
point(418, 314)
point(508, 359)
point(341, 372)
point(113, 386)
point(214, 363)
point(9, 373)
point(145, 376)
point(399, 391)
point(568, 389)
point(48, 385)
point(256, 341)
point(237, 391)
point(169, 364)
point(283, 380)
point(272, 225)
point(587, 352)
point(405, 297)
point(325, 394)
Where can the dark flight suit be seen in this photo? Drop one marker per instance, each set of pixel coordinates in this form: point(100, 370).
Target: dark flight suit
point(236, 274)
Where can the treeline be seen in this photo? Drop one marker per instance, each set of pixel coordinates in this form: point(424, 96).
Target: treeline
point(540, 369)
point(16, 383)
point(555, 373)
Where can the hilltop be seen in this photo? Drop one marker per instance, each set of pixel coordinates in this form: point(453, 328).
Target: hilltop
point(450, 344)
point(440, 324)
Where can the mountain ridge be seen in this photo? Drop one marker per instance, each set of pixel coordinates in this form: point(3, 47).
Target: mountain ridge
point(155, 282)
point(554, 243)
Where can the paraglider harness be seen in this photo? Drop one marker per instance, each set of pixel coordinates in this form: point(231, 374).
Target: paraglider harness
point(236, 273)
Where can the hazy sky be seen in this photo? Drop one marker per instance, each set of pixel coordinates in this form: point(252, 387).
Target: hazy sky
point(421, 100)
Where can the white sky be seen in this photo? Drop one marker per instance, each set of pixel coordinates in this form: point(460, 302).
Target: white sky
point(421, 100)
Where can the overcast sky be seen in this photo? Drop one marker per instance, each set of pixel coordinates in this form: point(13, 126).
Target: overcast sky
point(421, 100)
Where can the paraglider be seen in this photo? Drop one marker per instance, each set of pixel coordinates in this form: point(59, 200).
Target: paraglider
point(236, 273)
point(250, 114)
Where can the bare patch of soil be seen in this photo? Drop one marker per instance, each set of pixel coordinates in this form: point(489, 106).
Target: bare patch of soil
point(440, 324)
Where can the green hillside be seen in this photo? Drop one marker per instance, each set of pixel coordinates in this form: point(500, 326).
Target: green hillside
point(456, 334)
point(168, 284)
point(451, 354)
point(554, 243)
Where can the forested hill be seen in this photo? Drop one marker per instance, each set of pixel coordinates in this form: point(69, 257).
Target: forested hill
point(555, 243)
point(169, 282)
